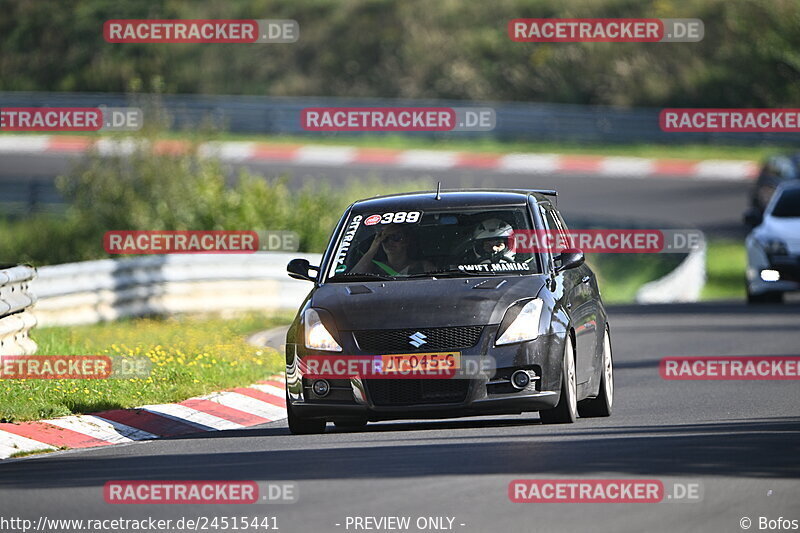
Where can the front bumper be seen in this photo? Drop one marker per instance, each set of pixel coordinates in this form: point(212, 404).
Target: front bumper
point(387, 399)
point(787, 266)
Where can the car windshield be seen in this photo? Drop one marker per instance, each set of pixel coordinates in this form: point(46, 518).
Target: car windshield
point(788, 204)
point(416, 244)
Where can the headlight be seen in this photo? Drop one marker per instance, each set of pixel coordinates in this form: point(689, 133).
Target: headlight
point(526, 326)
point(317, 336)
point(774, 246)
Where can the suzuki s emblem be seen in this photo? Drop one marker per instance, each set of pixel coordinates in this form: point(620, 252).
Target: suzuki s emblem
point(417, 339)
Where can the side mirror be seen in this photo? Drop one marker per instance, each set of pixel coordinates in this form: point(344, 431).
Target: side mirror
point(752, 217)
point(570, 258)
point(298, 269)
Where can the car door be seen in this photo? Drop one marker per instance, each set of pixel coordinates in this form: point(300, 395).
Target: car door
point(593, 326)
point(580, 305)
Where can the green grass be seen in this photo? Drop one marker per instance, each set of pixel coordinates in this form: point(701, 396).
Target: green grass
point(26, 453)
point(197, 355)
point(726, 262)
point(190, 356)
point(621, 275)
point(485, 144)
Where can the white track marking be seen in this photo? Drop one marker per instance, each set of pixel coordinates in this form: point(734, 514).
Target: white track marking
point(325, 155)
point(432, 159)
point(102, 429)
point(724, 170)
point(248, 405)
point(15, 144)
point(11, 443)
point(627, 166)
point(192, 416)
point(529, 163)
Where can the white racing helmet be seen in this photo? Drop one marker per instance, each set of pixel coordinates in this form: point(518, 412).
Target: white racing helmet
point(492, 229)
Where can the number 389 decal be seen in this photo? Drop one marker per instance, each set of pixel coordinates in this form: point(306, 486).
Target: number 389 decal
point(393, 218)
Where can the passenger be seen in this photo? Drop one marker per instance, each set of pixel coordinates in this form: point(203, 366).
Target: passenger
point(396, 256)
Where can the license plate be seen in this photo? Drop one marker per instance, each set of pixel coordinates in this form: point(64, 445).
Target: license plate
point(421, 362)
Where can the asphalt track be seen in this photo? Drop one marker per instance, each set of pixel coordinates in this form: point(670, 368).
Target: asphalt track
point(714, 206)
point(739, 439)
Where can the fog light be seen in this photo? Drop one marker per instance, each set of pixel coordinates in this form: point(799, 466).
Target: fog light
point(770, 275)
point(321, 387)
point(520, 379)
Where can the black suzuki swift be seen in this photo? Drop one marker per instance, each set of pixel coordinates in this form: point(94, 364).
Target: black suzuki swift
point(433, 276)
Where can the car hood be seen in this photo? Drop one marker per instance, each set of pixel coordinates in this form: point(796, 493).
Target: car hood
point(786, 229)
point(424, 302)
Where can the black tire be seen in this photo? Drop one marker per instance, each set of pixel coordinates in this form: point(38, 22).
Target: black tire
point(603, 404)
point(566, 411)
point(765, 298)
point(303, 426)
point(352, 423)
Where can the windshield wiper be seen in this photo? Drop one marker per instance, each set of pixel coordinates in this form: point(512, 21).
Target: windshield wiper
point(360, 276)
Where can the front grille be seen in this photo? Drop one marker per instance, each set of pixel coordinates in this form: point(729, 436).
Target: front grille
point(389, 392)
point(377, 341)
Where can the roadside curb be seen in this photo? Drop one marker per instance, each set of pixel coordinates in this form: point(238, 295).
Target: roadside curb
point(235, 408)
point(329, 155)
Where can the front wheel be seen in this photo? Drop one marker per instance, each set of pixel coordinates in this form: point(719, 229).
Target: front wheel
point(303, 426)
point(601, 406)
point(566, 411)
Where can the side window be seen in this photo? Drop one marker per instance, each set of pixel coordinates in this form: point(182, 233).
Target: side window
point(553, 223)
point(560, 221)
point(553, 220)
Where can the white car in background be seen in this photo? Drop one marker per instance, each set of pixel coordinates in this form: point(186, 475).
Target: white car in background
point(773, 248)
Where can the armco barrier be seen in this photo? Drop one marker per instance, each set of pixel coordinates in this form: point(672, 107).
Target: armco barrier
point(109, 289)
point(683, 284)
point(15, 316)
point(96, 291)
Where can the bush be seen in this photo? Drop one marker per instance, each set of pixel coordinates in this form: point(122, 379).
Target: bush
point(147, 189)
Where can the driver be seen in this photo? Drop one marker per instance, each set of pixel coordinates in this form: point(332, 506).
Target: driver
point(491, 238)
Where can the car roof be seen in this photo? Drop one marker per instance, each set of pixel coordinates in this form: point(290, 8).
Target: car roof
point(782, 187)
point(793, 157)
point(788, 184)
point(453, 199)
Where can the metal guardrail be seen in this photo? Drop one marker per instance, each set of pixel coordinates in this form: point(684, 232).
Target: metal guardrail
point(515, 120)
point(16, 319)
point(683, 284)
point(109, 289)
